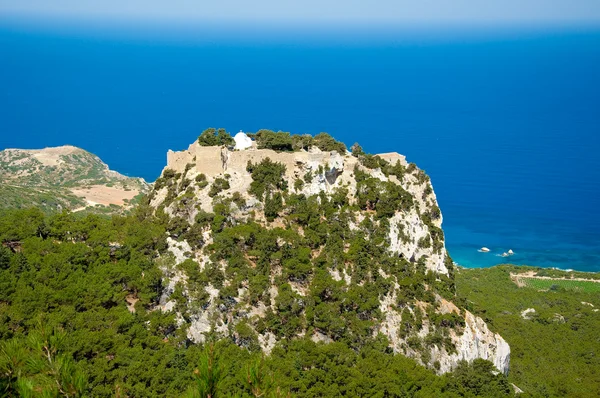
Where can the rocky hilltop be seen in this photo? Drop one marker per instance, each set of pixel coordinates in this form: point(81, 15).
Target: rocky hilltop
point(296, 237)
point(64, 177)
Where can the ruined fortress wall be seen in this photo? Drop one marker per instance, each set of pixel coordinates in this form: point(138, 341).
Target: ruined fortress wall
point(393, 157)
point(209, 160)
point(213, 161)
point(239, 159)
point(177, 160)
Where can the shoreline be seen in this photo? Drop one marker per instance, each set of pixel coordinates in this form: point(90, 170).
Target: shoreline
point(536, 267)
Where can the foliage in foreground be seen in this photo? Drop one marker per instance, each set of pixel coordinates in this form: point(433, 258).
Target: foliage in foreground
point(36, 364)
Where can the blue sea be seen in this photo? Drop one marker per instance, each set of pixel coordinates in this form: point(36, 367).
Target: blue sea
point(506, 121)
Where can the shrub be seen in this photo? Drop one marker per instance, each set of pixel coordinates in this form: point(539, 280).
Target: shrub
point(373, 162)
point(201, 181)
point(424, 242)
point(280, 141)
point(218, 186)
point(204, 219)
point(327, 143)
point(238, 199)
point(308, 177)
point(273, 205)
point(302, 142)
point(357, 150)
point(266, 175)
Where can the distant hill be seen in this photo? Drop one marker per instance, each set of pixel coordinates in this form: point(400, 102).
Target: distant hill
point(64, 177)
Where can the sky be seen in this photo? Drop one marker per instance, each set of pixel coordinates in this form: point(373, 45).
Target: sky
point(567, 12)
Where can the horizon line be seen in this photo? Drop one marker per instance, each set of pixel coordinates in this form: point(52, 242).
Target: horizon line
point(327, 23)
point(249, 31)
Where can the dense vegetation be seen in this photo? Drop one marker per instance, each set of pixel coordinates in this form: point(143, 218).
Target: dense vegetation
point(283, 141)
point(84, 298)
point(278, 141)
point(555, 352)
point(76, 309)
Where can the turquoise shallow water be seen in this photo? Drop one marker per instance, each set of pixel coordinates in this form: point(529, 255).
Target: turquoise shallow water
point(506, 124)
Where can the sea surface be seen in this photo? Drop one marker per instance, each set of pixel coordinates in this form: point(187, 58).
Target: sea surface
point(506, 122)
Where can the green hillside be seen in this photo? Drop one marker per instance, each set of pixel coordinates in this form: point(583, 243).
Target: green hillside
point(554, 353)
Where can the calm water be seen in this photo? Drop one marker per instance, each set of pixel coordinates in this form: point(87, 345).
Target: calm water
point(507, 124)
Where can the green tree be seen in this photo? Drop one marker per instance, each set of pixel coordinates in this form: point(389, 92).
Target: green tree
point(273, 205)
point(266, 176)
point(212, 137)
point(278, 141)
point(218, 186)
point(302, 142)
point(207, 375)
point(38, 366)
point(327, 143)
point(357, 150)
point(478, 379)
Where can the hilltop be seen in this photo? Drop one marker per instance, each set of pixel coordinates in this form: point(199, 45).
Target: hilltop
point(295, 236)
point(64, 178)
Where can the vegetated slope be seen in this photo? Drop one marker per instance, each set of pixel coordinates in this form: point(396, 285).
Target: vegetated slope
point(78, 299)
point(553, 333)
point(64, 178)
point(311, 241)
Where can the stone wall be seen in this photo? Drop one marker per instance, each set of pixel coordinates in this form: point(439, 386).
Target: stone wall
point(212, 161)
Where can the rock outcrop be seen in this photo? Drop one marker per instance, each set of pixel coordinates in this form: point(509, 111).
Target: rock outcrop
point(406, 228)
point(381, 199)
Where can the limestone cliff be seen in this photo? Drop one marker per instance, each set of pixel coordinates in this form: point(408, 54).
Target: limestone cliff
point(215, 162)
point(377, 235)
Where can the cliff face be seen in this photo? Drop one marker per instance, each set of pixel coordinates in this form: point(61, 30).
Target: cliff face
point(64, 177)
point(406, 228)
point(375, 242)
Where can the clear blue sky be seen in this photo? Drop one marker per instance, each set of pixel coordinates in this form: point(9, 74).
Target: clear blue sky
point(571, 12)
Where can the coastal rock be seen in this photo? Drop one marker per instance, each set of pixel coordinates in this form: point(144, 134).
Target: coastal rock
point(414, 238)
point(475, 340)
point(478, 341)
point(337, 172)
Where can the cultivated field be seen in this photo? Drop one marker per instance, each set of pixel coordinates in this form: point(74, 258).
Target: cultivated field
point(568, 284)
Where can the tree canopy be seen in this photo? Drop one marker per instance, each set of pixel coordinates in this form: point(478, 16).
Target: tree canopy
point(212, 137)
point(77, 315)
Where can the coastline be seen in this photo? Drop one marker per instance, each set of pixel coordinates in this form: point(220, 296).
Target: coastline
point(594, 275)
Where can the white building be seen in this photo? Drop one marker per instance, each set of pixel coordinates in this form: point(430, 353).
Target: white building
point(242, 141)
